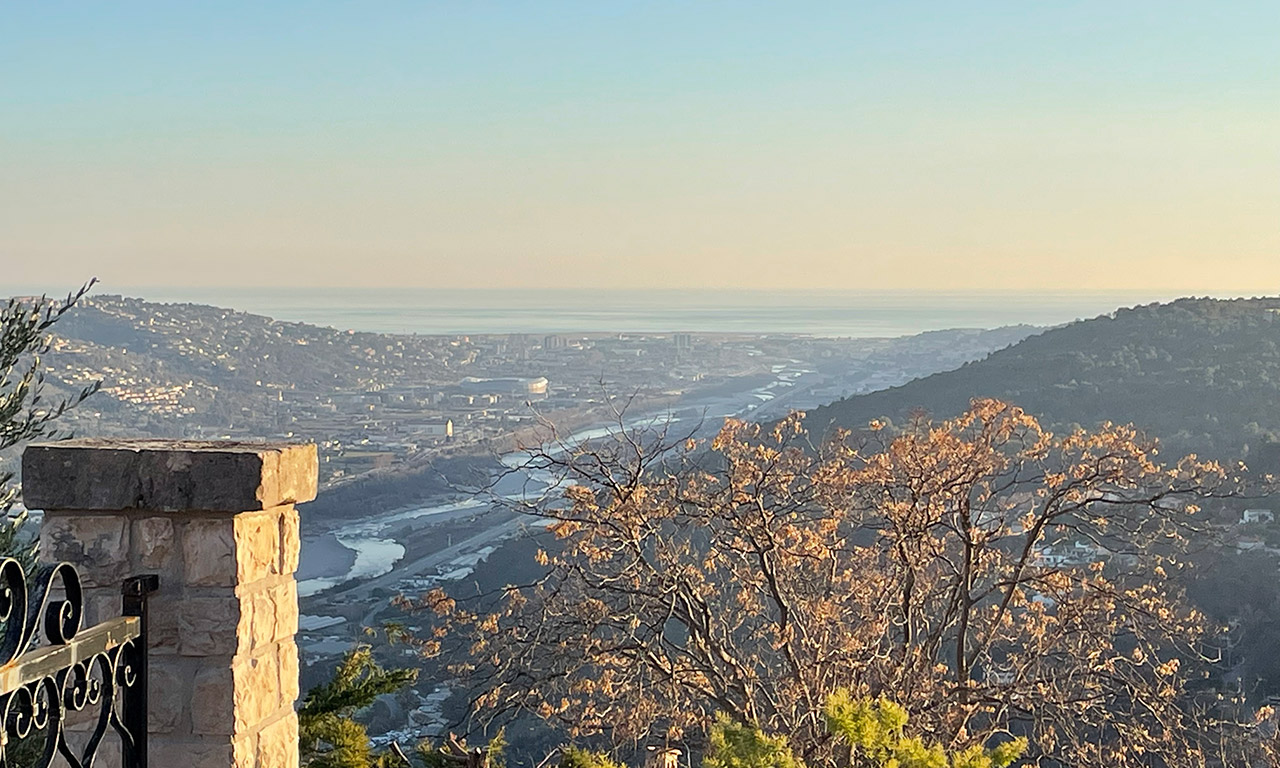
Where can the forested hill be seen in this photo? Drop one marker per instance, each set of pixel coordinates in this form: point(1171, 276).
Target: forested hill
point(1203, 375)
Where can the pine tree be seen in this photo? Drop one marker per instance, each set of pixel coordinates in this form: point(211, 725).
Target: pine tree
point(453, 752)
point(329, 736)
point(734, 745)
point(576, 757)
point(873, 732)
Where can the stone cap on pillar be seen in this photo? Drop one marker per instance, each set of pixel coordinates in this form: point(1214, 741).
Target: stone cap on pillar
point(93, 474)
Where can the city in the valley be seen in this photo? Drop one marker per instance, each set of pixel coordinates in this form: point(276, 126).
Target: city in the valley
point(411, 427)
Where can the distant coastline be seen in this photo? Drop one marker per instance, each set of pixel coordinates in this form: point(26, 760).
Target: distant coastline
point(818, 313)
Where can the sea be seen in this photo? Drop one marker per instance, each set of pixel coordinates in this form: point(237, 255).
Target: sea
point(435, 311)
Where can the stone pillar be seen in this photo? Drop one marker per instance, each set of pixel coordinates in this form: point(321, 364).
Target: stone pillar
point(217, 522)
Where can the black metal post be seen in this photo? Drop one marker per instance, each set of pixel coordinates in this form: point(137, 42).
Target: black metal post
point(135, 591)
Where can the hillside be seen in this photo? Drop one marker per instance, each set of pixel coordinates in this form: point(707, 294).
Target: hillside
point(383, 402)
point(1201, 374)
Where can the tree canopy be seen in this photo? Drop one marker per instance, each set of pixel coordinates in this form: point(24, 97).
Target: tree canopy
point(328, 734)
point(26, 411)
point(989, 576)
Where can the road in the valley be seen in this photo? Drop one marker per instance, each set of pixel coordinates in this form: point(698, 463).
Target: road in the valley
point(363, 591)
point(713, 410)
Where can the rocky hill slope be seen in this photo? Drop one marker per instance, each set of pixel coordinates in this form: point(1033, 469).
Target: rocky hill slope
point(1201, 374)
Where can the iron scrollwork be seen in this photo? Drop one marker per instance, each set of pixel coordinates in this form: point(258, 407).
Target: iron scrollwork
point(54, 673)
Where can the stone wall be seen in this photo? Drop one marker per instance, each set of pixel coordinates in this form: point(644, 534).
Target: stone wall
point(217, 523)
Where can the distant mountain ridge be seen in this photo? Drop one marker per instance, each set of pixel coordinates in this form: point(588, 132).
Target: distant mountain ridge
point(1203, 375)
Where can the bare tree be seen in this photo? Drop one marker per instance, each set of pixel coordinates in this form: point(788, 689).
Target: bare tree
point(991, 577)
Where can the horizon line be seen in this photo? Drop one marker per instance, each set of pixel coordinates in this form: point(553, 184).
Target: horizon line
point(104, 288)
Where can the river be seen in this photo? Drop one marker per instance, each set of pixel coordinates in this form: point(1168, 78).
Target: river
point(377, 552)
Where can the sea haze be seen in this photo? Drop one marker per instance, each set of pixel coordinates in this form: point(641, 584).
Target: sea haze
point(451, 311)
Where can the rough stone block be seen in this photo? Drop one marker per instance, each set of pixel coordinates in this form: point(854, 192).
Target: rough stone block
point(109, 755)
point(284, 598)
point(98, 545)
point(290, 540)
point(217, 522)
point(257, 690)
point(278, 743)
point(166, 694)
point(212, 702)
point(154, 544)
point(257, 542)
point(192, 754)
point(80, 722)
point(244, 751)
point(100, 604)
point(289, 685)
point(208, 626)
point(258, 622)
point(209, 552)
point(167, 475)
point(164, 610)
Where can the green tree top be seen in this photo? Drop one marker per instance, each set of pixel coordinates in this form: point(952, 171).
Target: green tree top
point(875, 732)
point(734, 745)
point(576, 757)
point(329, 737)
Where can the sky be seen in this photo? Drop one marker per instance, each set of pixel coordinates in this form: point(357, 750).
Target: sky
point(975, 146)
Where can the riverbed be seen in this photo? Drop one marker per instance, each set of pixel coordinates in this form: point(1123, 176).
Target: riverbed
point(368, 548)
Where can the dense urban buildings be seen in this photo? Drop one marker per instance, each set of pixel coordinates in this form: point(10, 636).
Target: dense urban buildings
point(377, 400)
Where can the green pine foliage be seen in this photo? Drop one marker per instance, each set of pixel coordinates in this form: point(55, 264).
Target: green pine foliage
point(735, 745)
point(454, 753)
point(875, 732)
point(576, 757)
point(329, 736)
point(333, 741)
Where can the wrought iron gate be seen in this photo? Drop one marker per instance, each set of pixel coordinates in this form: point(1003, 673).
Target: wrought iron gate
point(52, 668)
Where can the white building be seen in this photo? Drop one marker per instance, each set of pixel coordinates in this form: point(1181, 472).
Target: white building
point(439, 429)
point(1257, 516)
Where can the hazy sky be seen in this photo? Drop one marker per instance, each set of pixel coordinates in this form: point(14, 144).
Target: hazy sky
point(891, 145)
